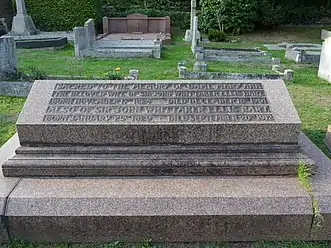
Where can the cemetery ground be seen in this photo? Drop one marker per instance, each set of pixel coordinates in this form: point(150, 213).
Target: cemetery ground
point(311, 95)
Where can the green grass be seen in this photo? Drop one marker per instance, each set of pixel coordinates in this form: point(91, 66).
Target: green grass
point(311, 95)
point(10, 107)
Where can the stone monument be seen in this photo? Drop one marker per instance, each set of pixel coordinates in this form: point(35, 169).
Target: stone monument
point(189, 33)
point(157, 128)
point(8, 59)
point(23, 24)
point(324, 70)
point(195, 38)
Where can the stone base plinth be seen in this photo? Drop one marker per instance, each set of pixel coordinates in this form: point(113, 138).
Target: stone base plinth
point(23, 25)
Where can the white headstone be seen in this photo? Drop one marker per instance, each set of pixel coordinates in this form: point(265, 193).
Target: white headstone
point(22, 22)
point(8, 60)
point(194, 34)
point(80, 40)
point(324, 70)
point(325, 34)
point(189, 33)
point(90, 28)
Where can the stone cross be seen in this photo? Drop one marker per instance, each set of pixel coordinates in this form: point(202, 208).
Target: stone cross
point(188, 34)
point(194, 34)
point(22, 23)
point(193, 13)
point(21, 9)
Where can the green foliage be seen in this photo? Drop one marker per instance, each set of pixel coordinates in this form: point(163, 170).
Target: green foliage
point(231, 16)
point(270, 14)
point(36, 73)
point(178, 18)
point(216, 35)
point(115, 75)
point(50, 15)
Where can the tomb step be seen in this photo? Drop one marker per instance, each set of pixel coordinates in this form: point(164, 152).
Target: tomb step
point(204, 209)
point(63, 162)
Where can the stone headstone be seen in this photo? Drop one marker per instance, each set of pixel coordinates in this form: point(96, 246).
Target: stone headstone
point(325, 34)
point(200, 66)
point(8, 59)
point(328, 138)
point(134, 74)
point(199, 56)
point(23, 24)
point(239, 127)
point(324, 70)
point(81, 40)
point(90, 30)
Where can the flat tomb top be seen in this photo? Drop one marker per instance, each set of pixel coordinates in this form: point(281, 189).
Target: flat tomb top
point(155, 102)
point(155, 112)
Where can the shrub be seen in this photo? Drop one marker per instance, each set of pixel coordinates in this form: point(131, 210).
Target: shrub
point(115, 75)
point(234, 16)
point(36, 73)
point(178, 18)
point(216, 35)
point(64, 15)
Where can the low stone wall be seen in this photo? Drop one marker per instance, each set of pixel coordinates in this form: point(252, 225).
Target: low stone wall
point(21, 89)
point(136, 23)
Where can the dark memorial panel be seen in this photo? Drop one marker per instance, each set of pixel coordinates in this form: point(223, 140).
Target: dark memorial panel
point(158, 103)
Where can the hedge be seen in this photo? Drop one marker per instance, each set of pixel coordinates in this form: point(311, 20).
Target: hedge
point(63, 15)
point(178, 18)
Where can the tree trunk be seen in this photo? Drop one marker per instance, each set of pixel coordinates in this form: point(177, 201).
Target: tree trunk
point(6, 11)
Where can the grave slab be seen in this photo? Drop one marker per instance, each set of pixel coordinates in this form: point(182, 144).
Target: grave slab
point(169, 128)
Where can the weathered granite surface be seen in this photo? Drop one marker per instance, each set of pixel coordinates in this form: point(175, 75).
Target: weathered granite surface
point(324, 70)
point(205, 209)
point(158, 121)
point(6, 185)
point(164, 128)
